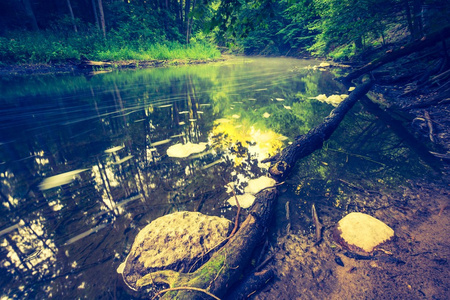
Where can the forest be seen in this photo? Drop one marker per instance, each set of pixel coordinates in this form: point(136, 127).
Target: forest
point(120, 115)
point(36, 31)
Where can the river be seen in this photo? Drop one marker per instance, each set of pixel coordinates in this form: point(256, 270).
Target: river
point(86, 161)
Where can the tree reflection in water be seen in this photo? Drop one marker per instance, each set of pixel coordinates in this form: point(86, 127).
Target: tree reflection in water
point(107, 136)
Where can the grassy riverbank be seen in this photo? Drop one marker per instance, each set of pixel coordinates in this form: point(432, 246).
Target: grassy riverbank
point(20, 47)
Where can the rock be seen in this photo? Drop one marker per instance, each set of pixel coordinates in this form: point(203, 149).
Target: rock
point(361, 233)
point(184, 150)
point(258, 184)
point(175, 242)
point(254, 186)
point(245, 200)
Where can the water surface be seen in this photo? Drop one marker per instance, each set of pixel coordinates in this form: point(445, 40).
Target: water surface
point(84, 161)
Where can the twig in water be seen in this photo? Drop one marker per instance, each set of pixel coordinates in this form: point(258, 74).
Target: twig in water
point(270, 187)
point(261, 265)
point(357, 187)
point(430, 126)
point(317, 224)
point(357, 155)
point(263, 251)
point(185, 288)
point(288, 218)
point(236, 222)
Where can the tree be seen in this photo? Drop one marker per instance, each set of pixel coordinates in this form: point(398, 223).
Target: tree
point(102, 17)
point(72, 16)
point(30, 13)
point(94, 10)
point(350, 22)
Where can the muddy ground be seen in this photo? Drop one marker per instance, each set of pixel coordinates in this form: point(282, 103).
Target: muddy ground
point(415, 265)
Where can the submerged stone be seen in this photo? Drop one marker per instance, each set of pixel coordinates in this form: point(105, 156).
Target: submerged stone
point(173, 242)
point(258, 184)
point(245, 201)
point(184, 150)
point(254, 186)
point(361, 233)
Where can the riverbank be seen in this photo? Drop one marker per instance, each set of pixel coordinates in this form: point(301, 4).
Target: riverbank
point(86, 67)
point(413, 266)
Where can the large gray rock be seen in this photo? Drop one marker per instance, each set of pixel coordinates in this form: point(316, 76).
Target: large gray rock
point(175, 242)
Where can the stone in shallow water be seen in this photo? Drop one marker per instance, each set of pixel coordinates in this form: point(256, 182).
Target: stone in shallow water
point(254, 186)
point(245, 200)
point(174, 242)
point(361, 233)
point(258, 184)
point(184, 150)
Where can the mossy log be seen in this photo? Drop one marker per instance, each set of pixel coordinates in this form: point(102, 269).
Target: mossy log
point(418, 45)
point(225, 267)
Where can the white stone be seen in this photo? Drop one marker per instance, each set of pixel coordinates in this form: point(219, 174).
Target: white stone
point(363, 231)
point(257, 184)
point(120, 268)
point(245, 201)
point(184, 150)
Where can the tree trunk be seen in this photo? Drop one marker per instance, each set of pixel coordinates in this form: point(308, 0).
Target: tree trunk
point(359, 43)
point(409, 19)
point(102, 17)
point(187, 9)
point(226, 266)
point(94, 8)
point(415, 46)
point(417, 18)
point(30, 13)
point(190, 23)
point(180, 14)
point(72, 16)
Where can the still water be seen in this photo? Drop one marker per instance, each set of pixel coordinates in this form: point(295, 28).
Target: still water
point(86, 161)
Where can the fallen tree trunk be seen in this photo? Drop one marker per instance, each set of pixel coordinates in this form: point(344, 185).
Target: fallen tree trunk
point(415, 46)
point(313, 140)
point(397, 127)
point(226, 266)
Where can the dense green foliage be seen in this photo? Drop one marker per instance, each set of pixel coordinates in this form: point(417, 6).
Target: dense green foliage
point(328, 27)
point(48, 46)
point(48, 31)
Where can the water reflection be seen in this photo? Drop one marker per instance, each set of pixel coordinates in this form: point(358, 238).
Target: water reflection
point(85, 162)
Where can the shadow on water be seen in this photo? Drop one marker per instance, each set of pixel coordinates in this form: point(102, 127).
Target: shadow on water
point(86, 162)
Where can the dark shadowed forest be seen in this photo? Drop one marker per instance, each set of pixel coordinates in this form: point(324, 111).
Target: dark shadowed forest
point(34, 31)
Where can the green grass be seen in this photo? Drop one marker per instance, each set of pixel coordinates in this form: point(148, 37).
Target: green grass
point(166, 51)
point(50, 46)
